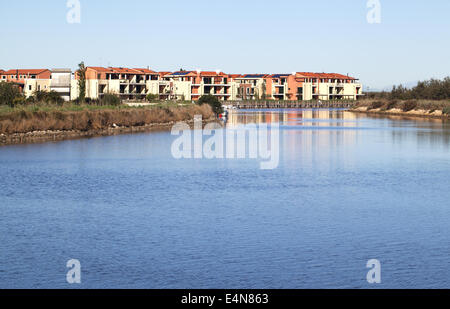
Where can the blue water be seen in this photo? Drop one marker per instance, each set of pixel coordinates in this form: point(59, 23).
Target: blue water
point(349, 188)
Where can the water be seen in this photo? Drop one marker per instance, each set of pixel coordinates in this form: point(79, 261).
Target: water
point(348, 188)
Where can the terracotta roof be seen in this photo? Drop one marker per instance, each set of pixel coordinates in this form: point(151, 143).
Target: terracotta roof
point(25, 71)
point(326, 75)
point(183, 73)
point(122, 70)
point(211, 73)
point(146, 71)
point(125, 71)
point(100, 69)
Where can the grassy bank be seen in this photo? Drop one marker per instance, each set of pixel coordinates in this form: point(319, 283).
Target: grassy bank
point(70, 117)
point(405, 107)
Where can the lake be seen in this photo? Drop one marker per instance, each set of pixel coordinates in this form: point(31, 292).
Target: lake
point(348, 188)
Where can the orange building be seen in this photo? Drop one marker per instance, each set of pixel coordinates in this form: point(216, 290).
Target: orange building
point(128, 84)
point(191, 85)
point(19, 76)
point(136, 83)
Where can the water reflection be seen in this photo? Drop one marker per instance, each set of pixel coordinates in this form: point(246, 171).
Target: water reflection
point(344, 126)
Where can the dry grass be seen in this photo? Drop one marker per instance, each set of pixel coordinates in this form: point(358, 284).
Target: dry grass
point(23, 121)
point(405, 106)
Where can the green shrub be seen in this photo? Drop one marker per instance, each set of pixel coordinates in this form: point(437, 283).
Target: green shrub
point(110, 99)
point(213, 102)
point(49, 97)
point(152, 97)
point(376, 105)
point(446, 110)
point(53, 97)
point(391, 104)
point(8, 93)
point(409, 105)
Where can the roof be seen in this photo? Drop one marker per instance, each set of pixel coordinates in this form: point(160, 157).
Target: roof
point(122, 70)
point(325, 75)
point(183, 73)
point(100, 69)
point(125, 71)
point(61, 71)
point(254, 76)
point(25, 71)
point(146, 71)
point(280, 75)
point(211, 73)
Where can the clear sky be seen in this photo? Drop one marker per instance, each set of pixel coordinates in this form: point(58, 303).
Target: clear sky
point(411, 43)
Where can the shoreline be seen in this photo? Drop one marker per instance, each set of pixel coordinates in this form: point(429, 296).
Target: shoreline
point(397, 112)
point(37, 137)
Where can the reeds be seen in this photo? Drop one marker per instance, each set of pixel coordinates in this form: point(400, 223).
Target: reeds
point(405, 105)
point(24, 121)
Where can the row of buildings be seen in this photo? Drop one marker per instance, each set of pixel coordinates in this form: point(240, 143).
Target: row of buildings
point(30, 81)
point(137, 83)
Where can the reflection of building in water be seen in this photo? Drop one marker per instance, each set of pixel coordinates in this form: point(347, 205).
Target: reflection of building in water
point(295, 117)
point(308, 136)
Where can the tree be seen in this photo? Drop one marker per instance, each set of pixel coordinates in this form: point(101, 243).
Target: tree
point(213, 102)
point(264, 94)
point(9, 93)
point(82, 82)
point(49, 97)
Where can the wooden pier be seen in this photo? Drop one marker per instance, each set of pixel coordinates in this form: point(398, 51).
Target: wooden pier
point(271, 104)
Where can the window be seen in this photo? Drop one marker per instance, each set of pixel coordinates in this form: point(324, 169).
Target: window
point(29, 87)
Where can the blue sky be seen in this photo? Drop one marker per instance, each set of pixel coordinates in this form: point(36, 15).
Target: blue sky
point(411, 43)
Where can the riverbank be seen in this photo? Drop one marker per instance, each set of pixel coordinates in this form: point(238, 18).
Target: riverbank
point(56, 124)
point(411, 108)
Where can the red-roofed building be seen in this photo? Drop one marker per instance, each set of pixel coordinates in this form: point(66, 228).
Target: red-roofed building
point(19, 76)
point(128, 83)
point(191, 85)
point(326, 86)
point(137, 83)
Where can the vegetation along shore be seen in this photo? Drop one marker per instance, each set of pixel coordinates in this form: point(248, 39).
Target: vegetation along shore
point(418, 108)
point(428, 99)
point(46, 117)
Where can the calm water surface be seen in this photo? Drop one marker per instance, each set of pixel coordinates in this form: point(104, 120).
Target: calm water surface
point(349, 188)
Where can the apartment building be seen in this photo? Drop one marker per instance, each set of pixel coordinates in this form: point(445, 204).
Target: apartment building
point(326, 86)
point(28, 80)
point(251, 86)
point(60, 82)
point(137, 83)
point(128, 84)
point(191, 85)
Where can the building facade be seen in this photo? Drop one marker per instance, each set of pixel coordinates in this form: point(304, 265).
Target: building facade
point(28, 81)
point(60, 82)
point(191, 85)
point(137, 83)
point(128, 84)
